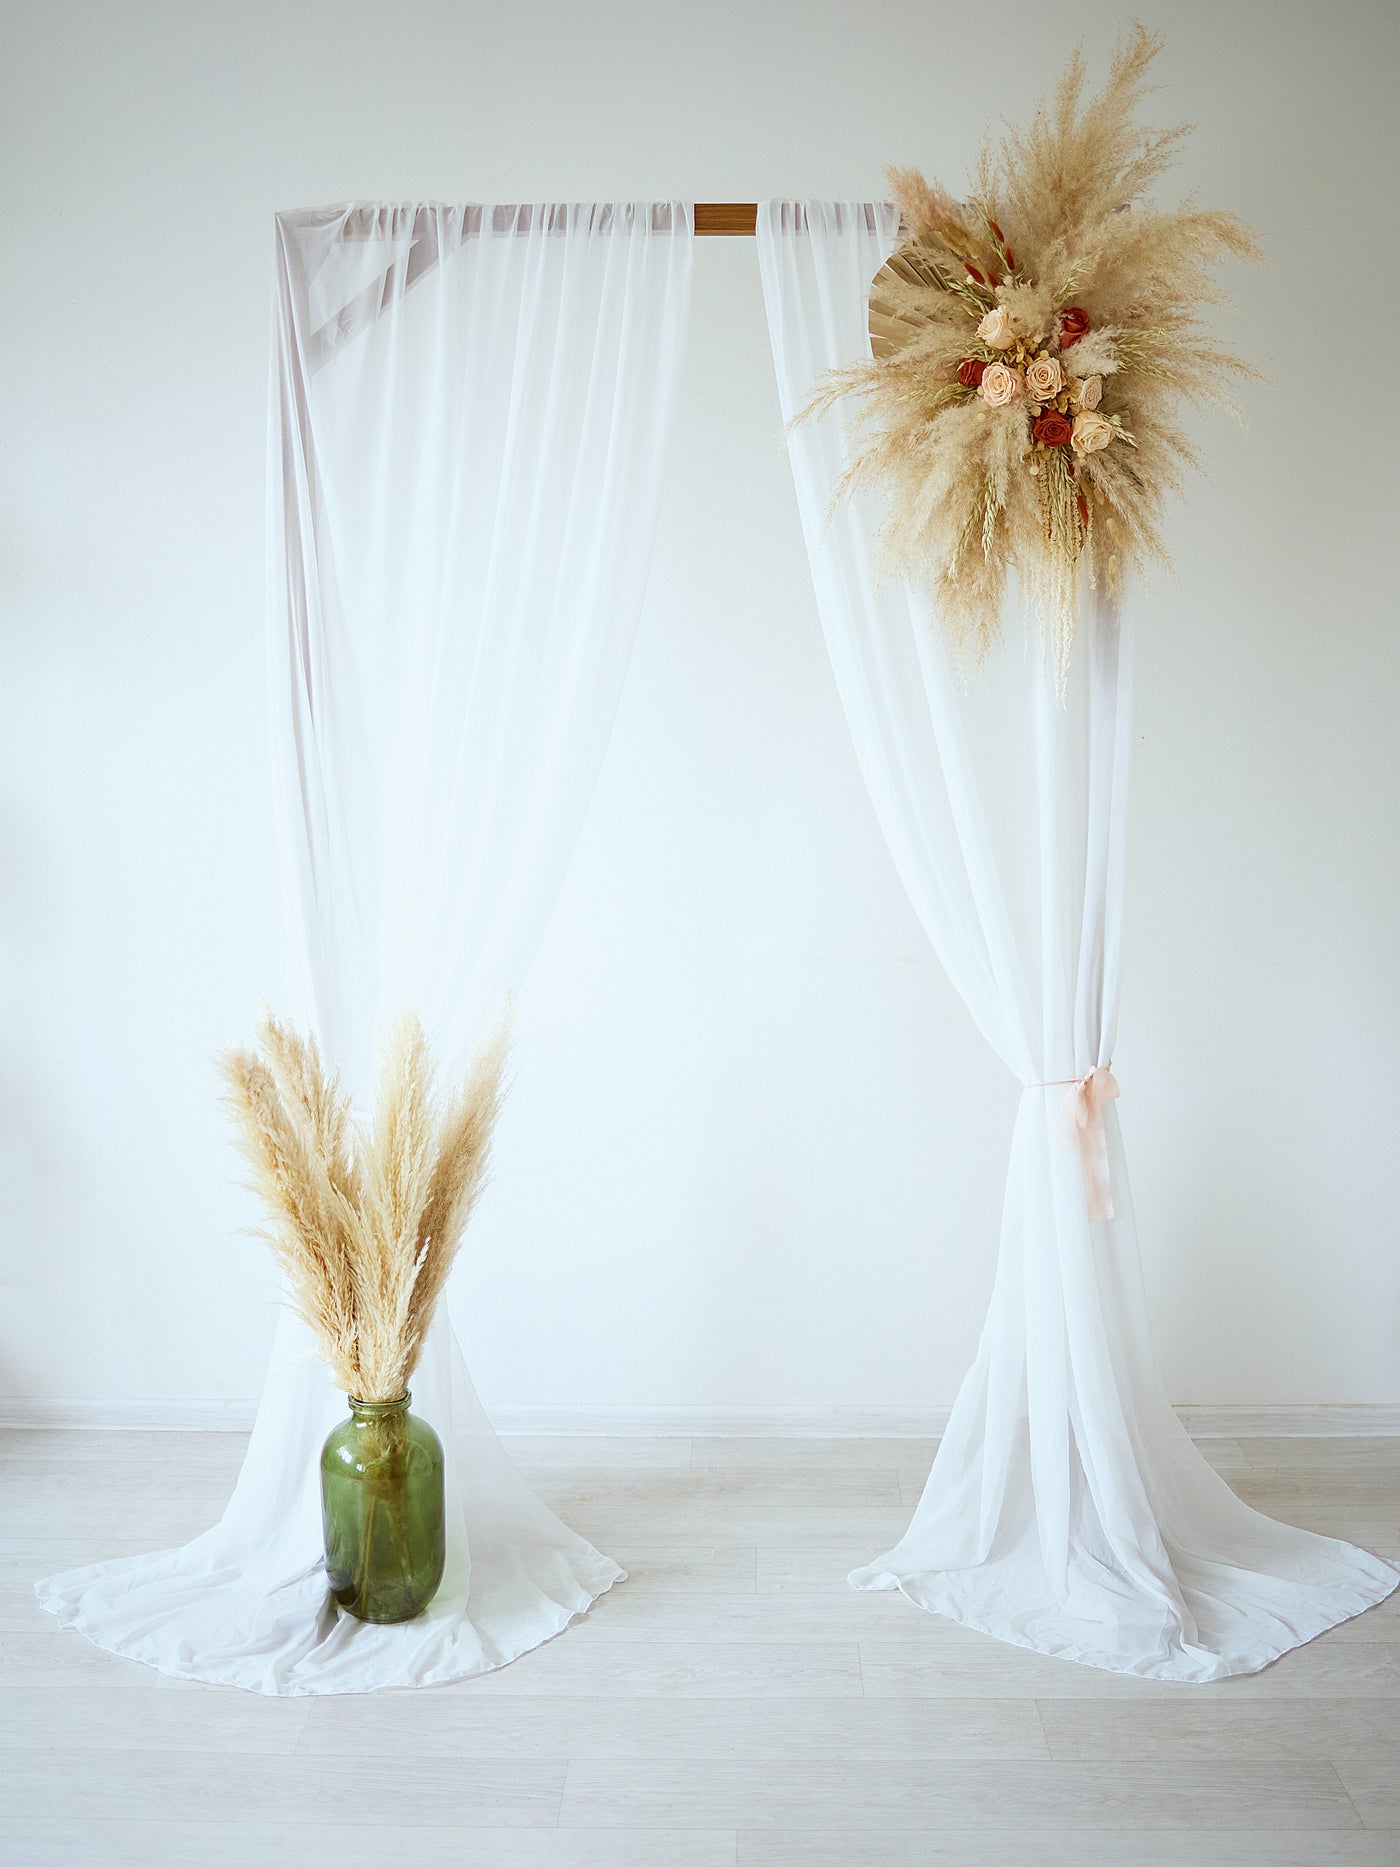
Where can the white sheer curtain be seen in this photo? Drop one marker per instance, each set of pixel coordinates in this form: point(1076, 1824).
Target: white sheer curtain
point(1067, 1510)
point(470, 410)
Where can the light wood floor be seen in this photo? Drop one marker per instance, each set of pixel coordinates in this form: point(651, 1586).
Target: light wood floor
point(733, 1705)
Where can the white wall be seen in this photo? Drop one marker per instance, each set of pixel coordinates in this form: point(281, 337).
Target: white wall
point(755, 1152)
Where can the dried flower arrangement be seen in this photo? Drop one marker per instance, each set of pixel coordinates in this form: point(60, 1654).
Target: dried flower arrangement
point(1031, 351)
point(365, 1220)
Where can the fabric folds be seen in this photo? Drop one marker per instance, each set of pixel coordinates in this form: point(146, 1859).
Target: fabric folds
point(1067, 1510)
point(470, 408)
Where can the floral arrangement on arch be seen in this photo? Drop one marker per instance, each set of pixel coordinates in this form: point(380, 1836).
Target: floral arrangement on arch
point(1031, 351)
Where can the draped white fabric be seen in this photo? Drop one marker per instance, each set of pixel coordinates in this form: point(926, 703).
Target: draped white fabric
point(470, 409)
point(1067, 1510)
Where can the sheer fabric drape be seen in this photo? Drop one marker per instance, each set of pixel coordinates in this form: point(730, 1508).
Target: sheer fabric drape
point(1067, 1510)
point(470, 410)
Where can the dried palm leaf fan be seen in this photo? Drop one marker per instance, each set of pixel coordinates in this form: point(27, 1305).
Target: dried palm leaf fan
point(890, 328)
point(1031, 350)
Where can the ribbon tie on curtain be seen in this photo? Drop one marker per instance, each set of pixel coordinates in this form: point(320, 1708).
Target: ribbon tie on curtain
point(1079, 1128)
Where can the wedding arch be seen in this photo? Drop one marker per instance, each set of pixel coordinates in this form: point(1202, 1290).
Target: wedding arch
point(470, 404)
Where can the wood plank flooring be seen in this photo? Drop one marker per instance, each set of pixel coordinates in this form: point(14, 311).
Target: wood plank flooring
point(734, 1704)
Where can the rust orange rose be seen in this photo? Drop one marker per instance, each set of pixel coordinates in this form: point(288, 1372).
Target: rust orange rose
point(1051, 429)
point(1074, 323)
point(970, 372)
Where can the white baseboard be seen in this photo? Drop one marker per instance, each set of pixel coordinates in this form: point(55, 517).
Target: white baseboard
point(236, 1416)
point(1294, 1421)
point(725, 1422)
point(132, 1416)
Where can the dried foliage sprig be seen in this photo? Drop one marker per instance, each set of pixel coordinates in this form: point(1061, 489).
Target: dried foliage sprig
point(1031, 352)
point(364, 1219)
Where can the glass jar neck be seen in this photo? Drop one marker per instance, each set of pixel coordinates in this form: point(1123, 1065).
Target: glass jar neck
point(377, 1409)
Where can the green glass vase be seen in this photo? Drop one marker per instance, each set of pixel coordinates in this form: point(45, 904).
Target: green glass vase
point(382, 1510)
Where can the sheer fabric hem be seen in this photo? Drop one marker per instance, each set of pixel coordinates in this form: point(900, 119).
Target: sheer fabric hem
point(938, 1593)
point(490, 1642)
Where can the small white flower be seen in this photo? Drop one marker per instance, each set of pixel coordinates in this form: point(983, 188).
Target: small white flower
point(1091, 392)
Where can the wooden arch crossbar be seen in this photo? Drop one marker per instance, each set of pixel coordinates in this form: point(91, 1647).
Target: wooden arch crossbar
point(726, 217)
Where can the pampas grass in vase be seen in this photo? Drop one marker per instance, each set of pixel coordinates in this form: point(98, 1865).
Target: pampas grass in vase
point(365, 1220)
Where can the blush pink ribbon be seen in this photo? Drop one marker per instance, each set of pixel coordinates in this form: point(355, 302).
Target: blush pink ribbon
point(1079, 1128)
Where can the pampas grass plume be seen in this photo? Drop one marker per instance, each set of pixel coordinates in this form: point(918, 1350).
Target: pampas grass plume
point(365, 1220)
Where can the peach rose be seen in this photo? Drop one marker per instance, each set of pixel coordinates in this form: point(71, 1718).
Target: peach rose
point(1090, 392)
point(1045, 378)
point(1002, 386)
point(1091, 432)
point(997, 330)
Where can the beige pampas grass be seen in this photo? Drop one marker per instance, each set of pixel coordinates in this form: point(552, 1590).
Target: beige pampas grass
point(365, 1220)
point(1059, 237)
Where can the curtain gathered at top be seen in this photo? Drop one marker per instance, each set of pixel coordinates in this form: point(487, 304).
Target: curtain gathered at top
point(1067, 1510)
point(470, 408)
